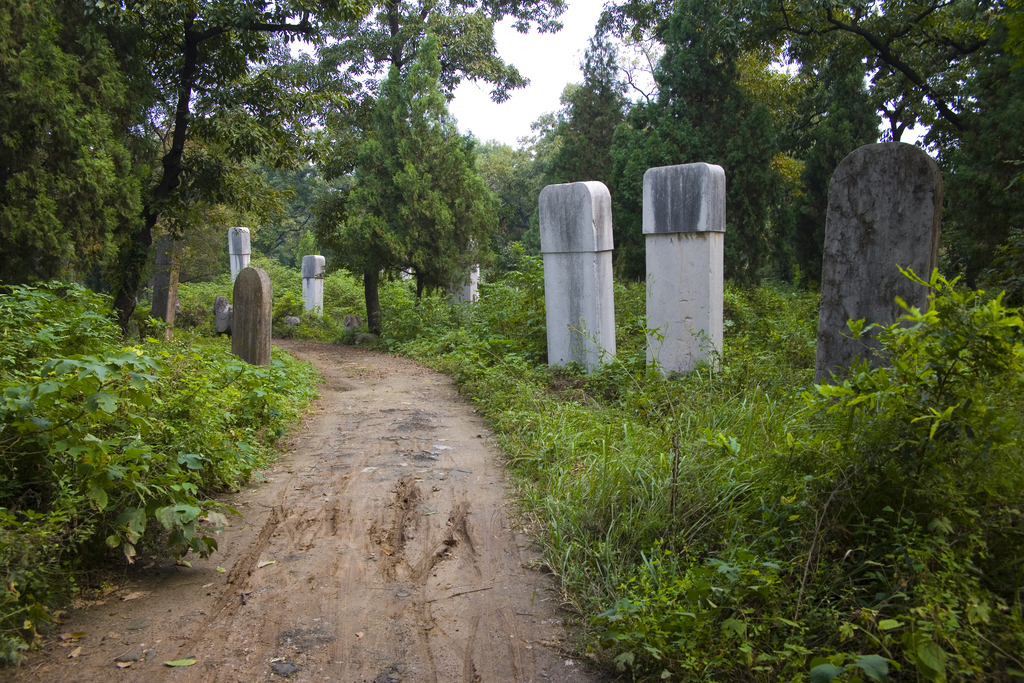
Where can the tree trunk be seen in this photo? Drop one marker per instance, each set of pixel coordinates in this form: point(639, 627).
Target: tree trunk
point(136, 253)
point(419, 287)
point(371, 281)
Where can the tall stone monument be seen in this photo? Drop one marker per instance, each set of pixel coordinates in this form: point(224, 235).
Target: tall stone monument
point(238, 250)
point(467, 291)
point(252, 316)
point(313, 284)
point(684, 228)
point(884, 209)
point(576, 241)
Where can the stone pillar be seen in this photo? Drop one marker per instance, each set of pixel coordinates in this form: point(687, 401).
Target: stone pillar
point(165, 284)
point(576, 241)
point(468, 291)
point(884, 209)
point(684, 228)
point(313, 284)
point(252, 317)
point(238, 250)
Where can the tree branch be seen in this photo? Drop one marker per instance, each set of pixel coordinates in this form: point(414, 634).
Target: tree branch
point(887, 56)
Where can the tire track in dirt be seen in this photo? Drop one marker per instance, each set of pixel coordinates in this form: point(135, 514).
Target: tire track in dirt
point(379, 549)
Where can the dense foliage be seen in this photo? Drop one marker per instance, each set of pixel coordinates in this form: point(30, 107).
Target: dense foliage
point(744, 524)
point(417, 203)
point(106, 446)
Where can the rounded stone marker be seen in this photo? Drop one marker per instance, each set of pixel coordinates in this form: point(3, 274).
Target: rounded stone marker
point(884, 210)
point(251, 326)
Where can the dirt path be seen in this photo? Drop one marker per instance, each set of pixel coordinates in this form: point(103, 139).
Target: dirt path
point(379, 549)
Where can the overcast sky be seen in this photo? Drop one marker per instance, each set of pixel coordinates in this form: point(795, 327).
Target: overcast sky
point(550, 61)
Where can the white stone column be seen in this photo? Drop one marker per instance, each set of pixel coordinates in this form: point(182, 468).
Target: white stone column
point(468, 291)
point(684, 228)
point(313, 284)
point(238, 250)
point(576, 241)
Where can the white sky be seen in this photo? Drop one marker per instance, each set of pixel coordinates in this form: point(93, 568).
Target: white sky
point(550, 61)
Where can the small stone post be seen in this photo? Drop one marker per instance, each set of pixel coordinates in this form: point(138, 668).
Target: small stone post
point(238, 250)
point(576, 241)
point(884, 209)
point(684, 228)
point(223, 314)
point(252, 317)
point(313, 284)
point(467, 292)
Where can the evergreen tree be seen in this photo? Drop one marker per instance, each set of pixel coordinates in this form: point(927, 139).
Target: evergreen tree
point(418, 202)
point(67, 184)
point(848, 121)
point(981, 166)
point(701, 115)
point(592, 113)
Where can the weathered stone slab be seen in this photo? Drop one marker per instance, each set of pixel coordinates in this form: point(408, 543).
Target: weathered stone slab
point(238, 250)
point(251, 327)
point(684, 228)
point(165, 281)
point(884, 209)
point(313, 284)
point(576, 241)
point(468, 290)
point(223, 313)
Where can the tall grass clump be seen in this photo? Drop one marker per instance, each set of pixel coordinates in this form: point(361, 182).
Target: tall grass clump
point(741, 523)
point(106, 447)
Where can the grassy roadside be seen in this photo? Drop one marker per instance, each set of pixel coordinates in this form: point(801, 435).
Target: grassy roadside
point(743, 525)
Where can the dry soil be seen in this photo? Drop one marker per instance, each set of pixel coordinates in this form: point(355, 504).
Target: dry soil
point(380, 547)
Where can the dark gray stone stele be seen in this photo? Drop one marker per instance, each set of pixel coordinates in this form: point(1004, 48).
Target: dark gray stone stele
point(163, 264)
point(223, 313)
point(884, 209)
point(251, 327)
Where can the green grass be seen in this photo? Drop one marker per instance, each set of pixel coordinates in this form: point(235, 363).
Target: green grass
point(738, 524)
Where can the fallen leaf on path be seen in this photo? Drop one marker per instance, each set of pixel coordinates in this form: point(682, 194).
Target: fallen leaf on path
point(184, 563)
point(359, 634)
point(221, 569)
point(124, 665)
point(207, 585)
point(74, 653)
point(180, 662)
point(265, 563)
point(134, 595)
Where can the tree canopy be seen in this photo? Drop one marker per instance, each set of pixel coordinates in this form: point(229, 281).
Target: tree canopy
point(417, 202)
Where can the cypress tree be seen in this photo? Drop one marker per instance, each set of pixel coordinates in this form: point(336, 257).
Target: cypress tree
point(703, 115)
point(849, 121)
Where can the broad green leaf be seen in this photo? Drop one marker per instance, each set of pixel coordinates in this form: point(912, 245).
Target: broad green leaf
point(823, 673)
point(874, 667)
point(193, 461)
point(98, 496)
point(889, 624)
point(100, 400)
point(931, 661)
point(180, 662)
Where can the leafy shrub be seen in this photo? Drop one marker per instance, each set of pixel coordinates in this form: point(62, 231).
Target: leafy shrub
point(737, 523)
point(104, 445)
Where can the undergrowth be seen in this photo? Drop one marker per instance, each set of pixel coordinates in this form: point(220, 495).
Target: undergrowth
point(104, 445)
point(742, 524)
